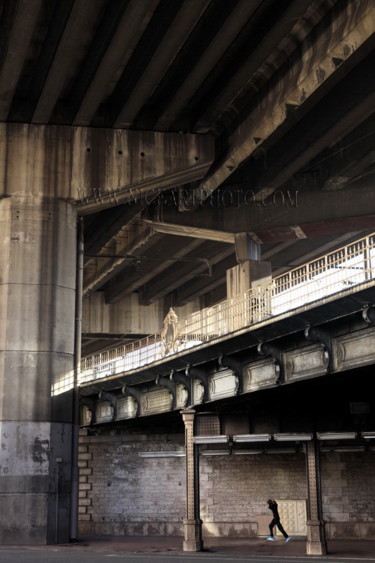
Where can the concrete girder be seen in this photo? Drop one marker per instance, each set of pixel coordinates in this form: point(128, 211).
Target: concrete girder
point(163, 286)
point(306, 82)
point(149, 270)
point(116, 57)
point(127, 319)
point(135, 165)
point(174, 229)
point(275, 46)
point(218, 46)
point(284, 216)
point(184, 22)
point(82, 17)
point(294, 154)
point(98, 168)
point(353, 159)
point(307, 255)
point(20, 32)
point(111, 225)
point(108, 266)
point(338, 157)
point(199, 287)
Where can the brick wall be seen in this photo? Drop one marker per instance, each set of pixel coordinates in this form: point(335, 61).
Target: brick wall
point(123, 492)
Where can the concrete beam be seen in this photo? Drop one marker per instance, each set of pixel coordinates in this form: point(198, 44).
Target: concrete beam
point(81, 21)
point(128, 318)
point(308, 79)
point(283, 216)
point(173, 40)
point(268, 51)
point(20, 29)
point(222, 41)
point(99, 168)
point(184, 273)
point(106, 266)
point(115, 57)
point(150, 267)
point(112, 223)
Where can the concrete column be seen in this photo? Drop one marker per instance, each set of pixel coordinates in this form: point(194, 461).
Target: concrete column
point(37, 300)
point(316, 542)
point(192, 523)
point(251, 272)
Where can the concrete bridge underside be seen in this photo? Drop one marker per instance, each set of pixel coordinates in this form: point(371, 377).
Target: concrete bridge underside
point(178, 139)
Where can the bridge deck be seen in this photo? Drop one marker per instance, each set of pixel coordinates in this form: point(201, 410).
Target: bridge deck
point(331, 286)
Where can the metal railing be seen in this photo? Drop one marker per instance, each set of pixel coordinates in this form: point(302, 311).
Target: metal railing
point(338, 271)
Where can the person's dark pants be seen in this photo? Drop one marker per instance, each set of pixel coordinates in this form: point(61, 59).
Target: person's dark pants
point(276, 522)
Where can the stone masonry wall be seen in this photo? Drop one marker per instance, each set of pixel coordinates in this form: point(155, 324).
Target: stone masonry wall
point(348, 494)
point(123, 492)
point(235, 489)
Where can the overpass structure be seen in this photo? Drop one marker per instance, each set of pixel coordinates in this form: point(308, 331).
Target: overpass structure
point(160, 154)
point(313, 322)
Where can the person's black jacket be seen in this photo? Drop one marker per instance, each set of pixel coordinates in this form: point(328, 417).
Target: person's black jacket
point(272, 505)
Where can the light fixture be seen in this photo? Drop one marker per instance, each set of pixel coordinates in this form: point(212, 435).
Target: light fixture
point(349, 449)
point(336, 435)
point(214, 452)
point(292, 437)
point(281, 451)
point(247, 452)
point(245, 438)
point(368, 435)
point(220, 439)
point(176, 453)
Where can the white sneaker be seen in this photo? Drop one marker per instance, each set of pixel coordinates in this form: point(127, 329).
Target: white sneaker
point(287, 539)
point(270, 538)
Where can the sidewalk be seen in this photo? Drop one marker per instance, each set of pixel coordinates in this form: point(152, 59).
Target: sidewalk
point(220, 546)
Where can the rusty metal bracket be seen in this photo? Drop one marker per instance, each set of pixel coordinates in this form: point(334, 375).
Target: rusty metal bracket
point(90, 403)
point(237, 368)
point(111, 399)
point(316, 334)
point(166, 382)
point(368, 315)
point(202, 376)
point(184, 380)
point(268, 349)
point(129, 391)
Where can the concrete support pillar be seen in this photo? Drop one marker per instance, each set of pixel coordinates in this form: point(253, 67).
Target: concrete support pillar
point(316, 542)
point(251, 272)
point(192, 523)
point(37, 301)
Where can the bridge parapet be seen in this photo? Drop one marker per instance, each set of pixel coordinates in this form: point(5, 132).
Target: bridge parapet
point(340, 272)
point(353, 346)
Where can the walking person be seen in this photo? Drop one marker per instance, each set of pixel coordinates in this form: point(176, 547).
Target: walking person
point(272, 505)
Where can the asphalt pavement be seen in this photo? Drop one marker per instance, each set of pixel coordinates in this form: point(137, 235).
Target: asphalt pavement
point(154, 549)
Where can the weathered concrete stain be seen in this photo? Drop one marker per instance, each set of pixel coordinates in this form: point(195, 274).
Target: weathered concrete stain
point(40, 450)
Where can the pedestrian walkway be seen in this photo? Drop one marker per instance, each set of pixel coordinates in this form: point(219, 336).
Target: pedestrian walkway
point(221, 546)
